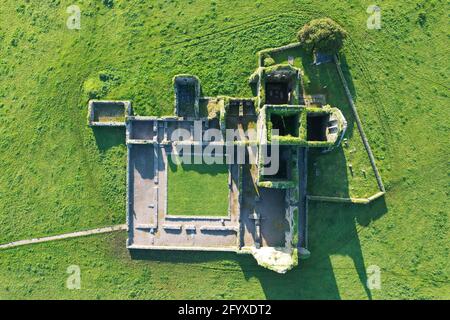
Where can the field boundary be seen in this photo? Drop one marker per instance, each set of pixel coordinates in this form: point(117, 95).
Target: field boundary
point(359, 125)
point(346, 200)
point(63, 236)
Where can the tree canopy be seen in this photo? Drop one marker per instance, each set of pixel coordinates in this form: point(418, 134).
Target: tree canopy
point(323, 35)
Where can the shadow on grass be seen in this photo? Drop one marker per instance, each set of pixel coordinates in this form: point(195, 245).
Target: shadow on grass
point(329, 177)
point(346, 71)
point(333, 231)
point(183, 257)
point(108, 137)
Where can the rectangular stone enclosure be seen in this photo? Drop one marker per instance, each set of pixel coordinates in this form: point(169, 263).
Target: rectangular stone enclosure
point(108, 113)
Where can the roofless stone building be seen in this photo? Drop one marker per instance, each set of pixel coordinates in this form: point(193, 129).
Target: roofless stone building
point(265, 209)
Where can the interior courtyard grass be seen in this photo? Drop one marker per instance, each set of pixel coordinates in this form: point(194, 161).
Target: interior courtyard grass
point(197, 189)
point(58, 175)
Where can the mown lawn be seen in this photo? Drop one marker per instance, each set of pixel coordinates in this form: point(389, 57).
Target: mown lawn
point(197, 189)
point(57, 175)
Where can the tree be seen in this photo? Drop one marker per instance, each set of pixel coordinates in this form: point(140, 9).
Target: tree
point(323, 35)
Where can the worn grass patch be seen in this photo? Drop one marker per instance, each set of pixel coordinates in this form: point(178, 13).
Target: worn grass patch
point(197, 189)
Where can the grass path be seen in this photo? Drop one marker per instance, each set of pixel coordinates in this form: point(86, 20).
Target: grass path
point(77, 234)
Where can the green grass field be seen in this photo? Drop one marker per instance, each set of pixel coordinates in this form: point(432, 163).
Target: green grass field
point(197, 190)
point(57, 175)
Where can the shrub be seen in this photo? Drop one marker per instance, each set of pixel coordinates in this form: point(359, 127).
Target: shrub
point(108, 75)
point(108, 3)
point(323, 35)
point(269, 62)
point(422, 19)
point(94, 88)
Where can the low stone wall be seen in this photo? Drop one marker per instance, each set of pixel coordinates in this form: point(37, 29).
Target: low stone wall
point(275, 50)
point(359, 124)
point(179, 248)
point(346, 200)
point(108, 113)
